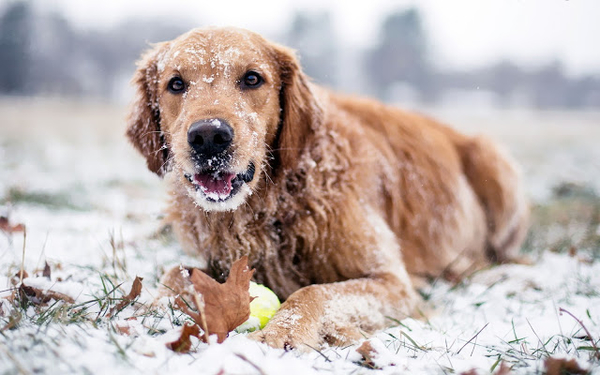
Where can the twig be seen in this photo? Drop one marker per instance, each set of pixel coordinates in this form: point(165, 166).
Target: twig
point(200, 307)
point(561, 310)
point(23, 257)
point(243, 358)
point(472, 338)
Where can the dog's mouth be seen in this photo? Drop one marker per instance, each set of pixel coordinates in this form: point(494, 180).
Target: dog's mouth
point(220, 185)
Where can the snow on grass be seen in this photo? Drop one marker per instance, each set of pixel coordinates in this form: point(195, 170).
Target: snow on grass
point(92, 212)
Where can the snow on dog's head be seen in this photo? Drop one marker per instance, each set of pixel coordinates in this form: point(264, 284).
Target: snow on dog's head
point(210, 107)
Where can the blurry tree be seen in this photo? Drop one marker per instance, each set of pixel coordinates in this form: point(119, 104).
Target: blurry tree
point(402, 56)
point(505, 79)
point(313, 37)
point(15, 38)
point(548, 86)
point(43, 55)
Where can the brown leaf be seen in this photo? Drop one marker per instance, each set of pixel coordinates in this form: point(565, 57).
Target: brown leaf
point(40, 297)
point(184, 343)
point(368, 353)
point(225, 306)
point(559, 366)
point(123, 330)
point(7, 227)
point(47, 271)
point(19, 277)
point(504, 369)
point(136, 290)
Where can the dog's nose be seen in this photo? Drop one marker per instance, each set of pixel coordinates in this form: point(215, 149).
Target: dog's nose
point(210, 137)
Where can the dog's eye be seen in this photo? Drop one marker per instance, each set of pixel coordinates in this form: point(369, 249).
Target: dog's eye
point(176, 85)
point(251, 80)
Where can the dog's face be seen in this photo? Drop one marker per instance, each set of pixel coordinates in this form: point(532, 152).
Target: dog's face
point(210, 107)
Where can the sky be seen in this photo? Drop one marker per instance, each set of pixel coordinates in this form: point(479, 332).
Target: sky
point(465, 33)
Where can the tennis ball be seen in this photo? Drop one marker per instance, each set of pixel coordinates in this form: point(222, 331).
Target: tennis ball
point(262, 308)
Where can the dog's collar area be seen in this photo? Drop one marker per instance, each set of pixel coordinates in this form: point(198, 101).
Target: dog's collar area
point(219, 186)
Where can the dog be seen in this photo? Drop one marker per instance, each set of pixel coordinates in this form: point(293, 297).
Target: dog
point(342, 204)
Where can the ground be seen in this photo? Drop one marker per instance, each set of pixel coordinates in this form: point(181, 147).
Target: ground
point(92, 213)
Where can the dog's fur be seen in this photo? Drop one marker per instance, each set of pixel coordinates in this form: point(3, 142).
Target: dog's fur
point(351, 202)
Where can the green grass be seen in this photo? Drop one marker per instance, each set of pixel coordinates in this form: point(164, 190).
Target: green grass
point(70, 200)
point(569, 221)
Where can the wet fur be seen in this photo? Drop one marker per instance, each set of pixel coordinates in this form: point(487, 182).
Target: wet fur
point(352, 202)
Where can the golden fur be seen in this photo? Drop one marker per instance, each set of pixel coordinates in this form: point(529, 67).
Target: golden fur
point(350, 196)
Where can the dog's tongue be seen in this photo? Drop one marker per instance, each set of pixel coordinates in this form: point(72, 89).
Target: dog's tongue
point(211, 184)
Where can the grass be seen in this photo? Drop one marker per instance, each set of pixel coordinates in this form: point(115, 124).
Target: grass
point(576, 210)
point(569, 222)
point(62, 200)
point(31, 334)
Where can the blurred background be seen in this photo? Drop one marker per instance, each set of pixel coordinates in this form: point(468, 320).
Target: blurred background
point(525, 72)
point(500, 53)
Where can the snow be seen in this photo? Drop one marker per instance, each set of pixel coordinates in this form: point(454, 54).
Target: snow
point(101, 228)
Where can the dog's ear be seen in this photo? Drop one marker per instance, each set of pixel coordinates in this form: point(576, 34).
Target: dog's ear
point(301, 114)
point(143, 122)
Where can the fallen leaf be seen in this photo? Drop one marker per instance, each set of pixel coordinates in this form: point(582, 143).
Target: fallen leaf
point(123, 329)
point(504, 369)
point(184, 343)
point(7, 227)
point(136, 290)
point(217, 308)
point(19, 277)
point(226, 305)
point(47, 272)
point(40, 297)
point(368, 353)
point(560, 366)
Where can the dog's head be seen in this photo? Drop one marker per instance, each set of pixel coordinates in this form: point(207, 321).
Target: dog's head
point(220, 107)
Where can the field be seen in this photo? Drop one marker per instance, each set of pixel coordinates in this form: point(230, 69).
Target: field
point(90, 214)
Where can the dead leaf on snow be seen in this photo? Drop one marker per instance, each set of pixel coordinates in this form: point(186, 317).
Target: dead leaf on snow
point(8, 228)
point(560, 366)
point(184, 343)
point(226, 305)
point(368, 353)
point(47, 271)
point(219, 308)
point(41, 297)
point(136, 290)
point(504, 369)
point(19, 277)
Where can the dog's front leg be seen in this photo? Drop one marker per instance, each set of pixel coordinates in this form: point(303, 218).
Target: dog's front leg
point(339, 313)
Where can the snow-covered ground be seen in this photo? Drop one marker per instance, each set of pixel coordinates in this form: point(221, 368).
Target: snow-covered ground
point(92, 212)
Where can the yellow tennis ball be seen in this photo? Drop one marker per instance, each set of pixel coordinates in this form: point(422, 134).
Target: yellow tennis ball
point(262, 308)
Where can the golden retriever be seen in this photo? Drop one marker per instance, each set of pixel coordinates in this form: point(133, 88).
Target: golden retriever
point(340, 203)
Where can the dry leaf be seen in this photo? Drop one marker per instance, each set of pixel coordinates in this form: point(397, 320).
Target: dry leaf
point(136, 290)
point(40, 297)
point(219, 308)
point(504, 369)
point(368, 353)
point(7, 227)
point(18, 277)
point(559, 366)
point(47, 272)
point(226, 305)
point(123, 330)
point(184, 343)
